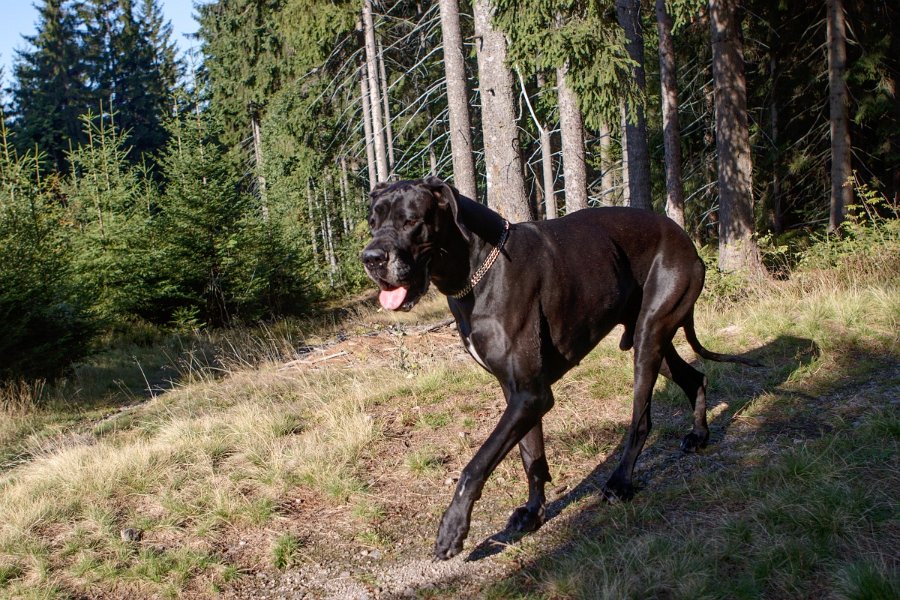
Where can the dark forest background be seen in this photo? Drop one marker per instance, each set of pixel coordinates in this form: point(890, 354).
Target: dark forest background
point(230, 186)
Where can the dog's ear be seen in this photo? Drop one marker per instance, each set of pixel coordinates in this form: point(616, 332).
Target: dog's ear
point(447, 197)
point(379, 187)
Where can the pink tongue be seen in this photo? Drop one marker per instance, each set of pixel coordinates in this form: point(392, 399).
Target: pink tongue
point(392, 300)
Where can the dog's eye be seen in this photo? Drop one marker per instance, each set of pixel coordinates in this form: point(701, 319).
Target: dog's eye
point(371, 222)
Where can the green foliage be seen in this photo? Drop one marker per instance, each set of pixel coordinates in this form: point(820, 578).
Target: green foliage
point(44, 325)
point(217, 256)
point(86, 55)
point(583, 35)
point(868, 242)
point(51, 87)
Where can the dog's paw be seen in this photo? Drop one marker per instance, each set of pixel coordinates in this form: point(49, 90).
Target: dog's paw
point(693, 442)
point(615, 491)
point(525, 520)
point(452, 532)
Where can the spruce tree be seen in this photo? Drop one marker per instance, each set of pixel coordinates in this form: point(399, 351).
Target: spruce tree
point(49, 91)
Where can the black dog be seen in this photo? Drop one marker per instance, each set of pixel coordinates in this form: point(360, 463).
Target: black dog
point(530, 301)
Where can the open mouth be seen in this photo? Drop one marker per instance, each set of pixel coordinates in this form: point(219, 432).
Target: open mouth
point(401, 297)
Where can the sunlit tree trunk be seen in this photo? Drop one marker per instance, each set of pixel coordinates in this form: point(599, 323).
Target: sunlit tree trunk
point(571, 130)
point(503, 161)
point(458, 101)
point(607, 179)
point(365, 99)
point(368, 22)
point(388, 126)
point(671, 129)
point(737, 248)
point(551, 211)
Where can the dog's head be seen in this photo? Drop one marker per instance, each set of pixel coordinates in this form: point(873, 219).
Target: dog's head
point(411, 222)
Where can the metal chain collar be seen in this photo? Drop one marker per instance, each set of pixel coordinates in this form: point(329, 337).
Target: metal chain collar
point(485, 266)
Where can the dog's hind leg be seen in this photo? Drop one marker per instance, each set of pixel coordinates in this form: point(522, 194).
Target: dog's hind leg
point(647, 360)
point(531, 516)
point(693, 383)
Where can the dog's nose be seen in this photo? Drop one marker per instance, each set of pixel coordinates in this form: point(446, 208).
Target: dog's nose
point(374, 257)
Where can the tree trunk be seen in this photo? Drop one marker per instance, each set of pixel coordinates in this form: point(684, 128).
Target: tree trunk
point(258, 159)
point(503, 161)
point(607, 180)
point(372, 68)
point(551, 211)
point(628, 13)
point(458, 101)
point(671, 129)
point(312, 223)
point(841, 193)
point(571, 130)
point(388, 127)
point(737, 248)
point(775, 212)
point(345, 198)
point(367, 125)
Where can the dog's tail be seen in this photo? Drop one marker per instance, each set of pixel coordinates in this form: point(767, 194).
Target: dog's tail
point(691, 336)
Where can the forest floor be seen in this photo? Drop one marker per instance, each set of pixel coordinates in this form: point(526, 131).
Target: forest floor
point(322, 470)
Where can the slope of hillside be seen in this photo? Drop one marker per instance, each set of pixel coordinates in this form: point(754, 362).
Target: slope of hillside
point(321, 471)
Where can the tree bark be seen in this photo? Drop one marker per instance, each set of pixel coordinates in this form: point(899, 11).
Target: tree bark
point(258, 159)
point(372, 69)
point(367, 125)
point(628, 13)
point(737, 248)
point(841, 193)
point(388, 126)
point(458, 101)
point(607, 180)
point(671, 128)
point(571, 130)
point(503, 161)
point(551, 211)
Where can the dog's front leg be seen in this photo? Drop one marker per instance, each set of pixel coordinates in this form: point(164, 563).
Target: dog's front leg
point(523, 412)
point(530, 517)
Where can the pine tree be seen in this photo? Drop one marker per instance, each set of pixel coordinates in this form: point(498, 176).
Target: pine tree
point(101, 62)
point(243, 58)
point(50, 92)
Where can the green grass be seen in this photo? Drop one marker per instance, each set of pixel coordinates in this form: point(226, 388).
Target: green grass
point(794, 528)
point(286, 551)
point(235, 444)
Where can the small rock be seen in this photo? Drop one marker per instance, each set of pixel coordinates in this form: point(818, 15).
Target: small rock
point(375, 554)
point(130, 534)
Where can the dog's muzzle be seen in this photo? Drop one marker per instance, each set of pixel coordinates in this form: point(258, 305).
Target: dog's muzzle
point(397, 278)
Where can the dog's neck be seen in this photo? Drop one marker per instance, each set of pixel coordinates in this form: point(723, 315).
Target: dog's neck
point(480, 220)
point(486, 228)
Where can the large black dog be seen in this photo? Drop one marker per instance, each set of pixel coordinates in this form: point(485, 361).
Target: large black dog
point(530, 301)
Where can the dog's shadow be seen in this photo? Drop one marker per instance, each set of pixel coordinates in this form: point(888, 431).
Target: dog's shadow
point(782, 357)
